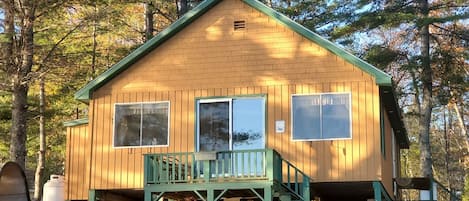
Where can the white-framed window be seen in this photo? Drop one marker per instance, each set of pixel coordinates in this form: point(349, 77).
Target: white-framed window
point(324, 116)
point(141, 124)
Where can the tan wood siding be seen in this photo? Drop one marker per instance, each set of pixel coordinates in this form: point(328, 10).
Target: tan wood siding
point(209, 59)
point(387, 160)
point(76, 164)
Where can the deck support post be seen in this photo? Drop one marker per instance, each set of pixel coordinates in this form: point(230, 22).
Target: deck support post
point(147, 196)
point(306, 190)
point(210, 196)
point(268, 193)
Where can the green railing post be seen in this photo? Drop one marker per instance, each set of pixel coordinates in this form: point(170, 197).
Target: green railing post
point(377, 189)
point(269, 164)
point(306, 191)
point(206, 170)
point(145, 170)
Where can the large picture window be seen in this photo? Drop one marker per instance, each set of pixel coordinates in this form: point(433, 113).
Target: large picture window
point(321, 116)
point(141, 124)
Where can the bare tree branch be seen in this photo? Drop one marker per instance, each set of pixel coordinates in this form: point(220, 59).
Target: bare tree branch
point(52, 50)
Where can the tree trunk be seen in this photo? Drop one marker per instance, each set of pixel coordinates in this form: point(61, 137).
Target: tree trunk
point(41, 160)
point(95, 43)
point(149, 29)
point(20, 73)
point(182, 7)
point(427, 87)
point(19, 126)
point(461, 125)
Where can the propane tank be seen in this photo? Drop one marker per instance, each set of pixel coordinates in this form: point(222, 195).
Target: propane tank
point(54, 189)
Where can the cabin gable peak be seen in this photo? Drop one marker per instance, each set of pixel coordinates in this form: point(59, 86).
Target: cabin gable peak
point(84, 94)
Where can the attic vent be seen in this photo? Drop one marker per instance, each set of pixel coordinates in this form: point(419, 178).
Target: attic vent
point(239, 25)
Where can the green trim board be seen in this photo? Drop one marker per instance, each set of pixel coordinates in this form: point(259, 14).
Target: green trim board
point(76, 122)
point(84, 93)
point(390, 104)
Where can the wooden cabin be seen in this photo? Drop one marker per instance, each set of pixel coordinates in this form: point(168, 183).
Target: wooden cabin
point(235, 101)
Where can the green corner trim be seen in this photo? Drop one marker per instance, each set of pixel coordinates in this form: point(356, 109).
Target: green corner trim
point(381, 77)
point(76, 122)
point(84, 93)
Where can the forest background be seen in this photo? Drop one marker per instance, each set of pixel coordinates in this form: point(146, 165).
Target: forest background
point(50, 48)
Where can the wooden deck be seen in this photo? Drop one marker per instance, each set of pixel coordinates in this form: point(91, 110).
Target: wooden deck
point(209, 176)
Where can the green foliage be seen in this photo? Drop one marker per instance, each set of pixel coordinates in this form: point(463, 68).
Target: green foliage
point(65, 34)
point(380, 56)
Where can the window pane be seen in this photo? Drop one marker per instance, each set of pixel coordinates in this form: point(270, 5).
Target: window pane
point(155, 124)
point(214, 126)
point(306, 117)
point(335, 116)
point(127, 125)
point(248, 124)
point(248, 133)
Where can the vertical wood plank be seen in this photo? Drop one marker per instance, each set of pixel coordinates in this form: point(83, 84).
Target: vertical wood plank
point(89, 145)
point(73, 167)
point(371, 172)
point(348, 168)
point(356, 135)
point(67, 163)
point(98, 167)
point(376, 130)
point(184, 135)
point(271, 117)
point(108, 173)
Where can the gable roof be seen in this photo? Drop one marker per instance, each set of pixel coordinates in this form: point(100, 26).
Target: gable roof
point(381, 78)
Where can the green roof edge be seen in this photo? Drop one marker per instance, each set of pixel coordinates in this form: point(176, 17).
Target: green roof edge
point(76, 122)
point(84, 93)
point(381, 78)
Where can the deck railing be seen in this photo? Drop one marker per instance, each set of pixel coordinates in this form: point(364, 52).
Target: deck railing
point(225, 166)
